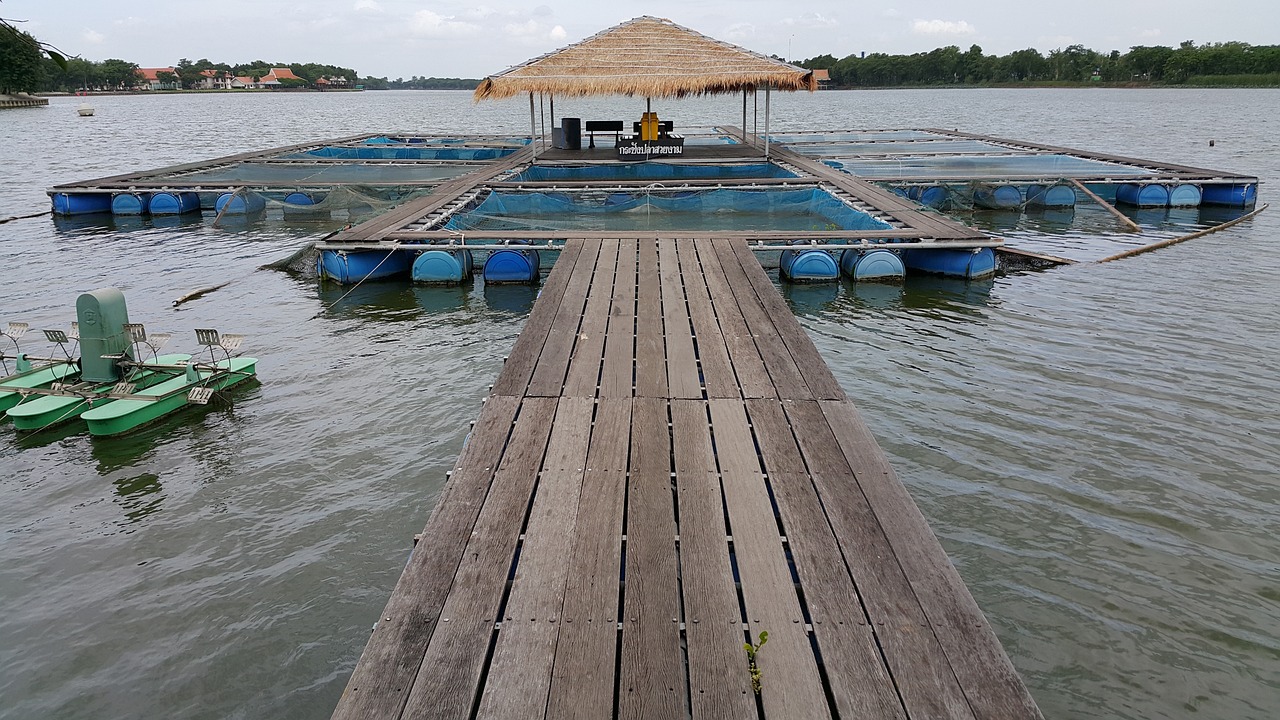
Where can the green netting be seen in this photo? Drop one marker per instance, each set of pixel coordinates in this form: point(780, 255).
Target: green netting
point(966, 167)
point(854, 136)
point(904, 147)
point(691, 210)
point(650, 171)
point(258, 173)
point(415, 152)
point(409, 140)
point(354, 199)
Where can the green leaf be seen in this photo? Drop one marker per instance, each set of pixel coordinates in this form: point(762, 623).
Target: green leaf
point(57, 58)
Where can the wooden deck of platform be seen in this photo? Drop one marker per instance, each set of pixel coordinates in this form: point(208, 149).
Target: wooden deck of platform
point(665, 469)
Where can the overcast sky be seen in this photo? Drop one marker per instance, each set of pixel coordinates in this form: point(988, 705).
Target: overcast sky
point(403, 38)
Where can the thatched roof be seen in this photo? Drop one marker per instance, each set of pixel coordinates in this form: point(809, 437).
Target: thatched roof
point(646, 56)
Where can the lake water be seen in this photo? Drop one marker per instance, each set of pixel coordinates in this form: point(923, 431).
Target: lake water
point(1096, 446)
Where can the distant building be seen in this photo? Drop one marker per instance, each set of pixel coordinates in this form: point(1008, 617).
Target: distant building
point(273, 78)
point(270, 80)
point(822, 77)
point(215, 80)
point(332, 82)
point(148, 80)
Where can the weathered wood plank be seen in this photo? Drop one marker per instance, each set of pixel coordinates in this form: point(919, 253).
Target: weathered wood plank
point(856, 670)
point(448, 679)
point(753, 377)
point(553, 359)
point(520, 671)
point(651, 361)
point(682, 362)
point(719, 679)
point(791, 683)
point(583, 675)
point(988, 678)
point(782, 369)
point(925, 677)
point(588, 352)
point(515, 374)
point(817, 376)
point(617, 374)
point(652, 682)
point(718, 378)
point(381, 681)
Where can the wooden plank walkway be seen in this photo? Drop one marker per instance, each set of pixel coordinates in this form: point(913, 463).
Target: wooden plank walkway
point(666, 469)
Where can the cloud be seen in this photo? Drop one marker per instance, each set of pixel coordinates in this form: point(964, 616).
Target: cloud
point(942, 27)
point(1055, 41)
point(371, 5)
point(1152, 33)
point(93, 37)
point(810, 20)
point(739, 31)
point(890, 13)
point(533, 32)
point(425, 23)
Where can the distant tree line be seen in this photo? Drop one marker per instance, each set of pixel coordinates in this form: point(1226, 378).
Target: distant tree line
point(419, 83)
point(1234, 63)
point(187, 74)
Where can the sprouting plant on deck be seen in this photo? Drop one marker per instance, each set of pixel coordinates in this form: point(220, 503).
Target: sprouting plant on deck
point(752, 652)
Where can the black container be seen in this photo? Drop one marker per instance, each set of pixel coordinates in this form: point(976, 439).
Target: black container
point(572, 133)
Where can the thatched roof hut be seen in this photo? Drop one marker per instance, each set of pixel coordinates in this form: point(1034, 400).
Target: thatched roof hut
point(648, 57)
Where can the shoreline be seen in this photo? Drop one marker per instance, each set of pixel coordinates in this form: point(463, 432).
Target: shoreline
point(22, 101)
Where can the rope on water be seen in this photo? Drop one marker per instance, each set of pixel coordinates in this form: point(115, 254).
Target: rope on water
point(24, 217)
point(353, 287)
point(1182, 238)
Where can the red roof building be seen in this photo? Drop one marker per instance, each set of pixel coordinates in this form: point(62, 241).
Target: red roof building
point(148, 79)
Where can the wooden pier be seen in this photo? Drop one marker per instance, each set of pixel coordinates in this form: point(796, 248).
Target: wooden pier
point(665, 470)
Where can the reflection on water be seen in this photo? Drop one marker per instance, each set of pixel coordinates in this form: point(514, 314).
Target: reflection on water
point(512, 299)
point(927, 296)
point(875, 295)
point(133, 495)
point(1050, 220)
point(811, 298)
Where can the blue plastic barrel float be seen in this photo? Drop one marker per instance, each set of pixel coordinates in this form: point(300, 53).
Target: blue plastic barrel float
point(173, 203)
point(808, 266)
point(1056, 195)
point(129, 203)
point(353, 266)
point(1185, 195)
point(511, 266)
point(301, 203)
point(969, 263)
point(997, 197)
point(1230, 194)
point(81, 203)
point(933, 196)
point(1143, 194)
point(442, 267)
point(245, 203)
point(878, 265)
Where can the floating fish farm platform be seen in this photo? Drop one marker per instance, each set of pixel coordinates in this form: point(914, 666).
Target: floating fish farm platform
point(668, 506)
point(934, 200)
